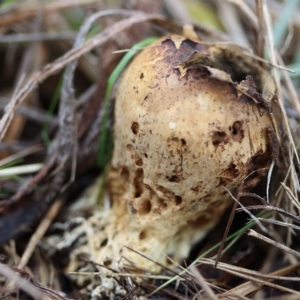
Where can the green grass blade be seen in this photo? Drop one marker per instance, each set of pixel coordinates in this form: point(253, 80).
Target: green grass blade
point(12, 163)
point(102, 158)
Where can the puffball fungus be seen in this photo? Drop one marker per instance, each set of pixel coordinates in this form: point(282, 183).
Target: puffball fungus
point(192, 123)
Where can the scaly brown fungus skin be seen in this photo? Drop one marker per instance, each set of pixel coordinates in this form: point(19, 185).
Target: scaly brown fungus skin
point(184, 131)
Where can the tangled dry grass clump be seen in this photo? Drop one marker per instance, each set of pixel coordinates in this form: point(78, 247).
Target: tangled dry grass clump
point(154, 225)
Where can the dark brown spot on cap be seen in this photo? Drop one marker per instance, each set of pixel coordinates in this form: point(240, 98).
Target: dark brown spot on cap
point(135, 127)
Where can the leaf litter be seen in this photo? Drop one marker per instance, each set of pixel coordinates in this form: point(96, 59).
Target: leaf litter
point(28, 210)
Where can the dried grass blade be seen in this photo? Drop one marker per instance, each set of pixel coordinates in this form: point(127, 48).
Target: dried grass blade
point(10, 109)
point(117, 274)
point(273, 58)
point(273, 208)
point(251, 272)
point(202, 282)
point(263, 282)
point(250, 287)
point(260, 37)
point(22, 283)
point(21, 154)
point(284, 224)
point(274, 243)
point(40, 231)
point(291, 196)
point(250, 275)
point(26, 10)
point(247, 11)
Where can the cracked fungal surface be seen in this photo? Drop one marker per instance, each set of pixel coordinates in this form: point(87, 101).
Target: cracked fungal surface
point(189, 122)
